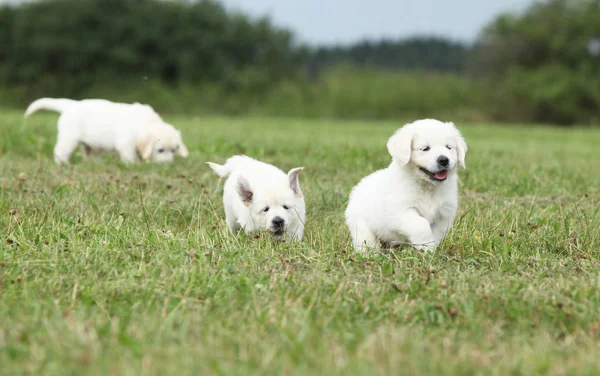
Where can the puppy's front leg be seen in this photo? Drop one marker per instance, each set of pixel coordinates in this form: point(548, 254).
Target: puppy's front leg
point(128, 155)
point(440, 228)
point(295, 235)
point(232, 224)
point(443, 221)
point(417, 230)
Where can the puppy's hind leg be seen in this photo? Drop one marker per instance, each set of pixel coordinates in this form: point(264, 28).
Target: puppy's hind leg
point(362, 236)
point(63, 150)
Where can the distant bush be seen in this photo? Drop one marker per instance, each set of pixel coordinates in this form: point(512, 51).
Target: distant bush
point(348, 92)
point(343, 92)
point(542, 62)
point(64, 47)
point(417, 53)
point(195, 57)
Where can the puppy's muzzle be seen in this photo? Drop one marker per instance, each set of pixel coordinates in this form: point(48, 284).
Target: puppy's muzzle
point(438, 176)
point(278, 226)
point(443, 161)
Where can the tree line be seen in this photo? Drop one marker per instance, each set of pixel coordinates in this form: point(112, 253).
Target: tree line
point(72, 43)
point(541, 65)
point(418, 53)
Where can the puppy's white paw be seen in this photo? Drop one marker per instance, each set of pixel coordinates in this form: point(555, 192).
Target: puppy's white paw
point(425, 248)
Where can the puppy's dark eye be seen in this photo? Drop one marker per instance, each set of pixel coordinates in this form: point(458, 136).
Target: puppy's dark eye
point(265, 209)
point(426, 148)
point(448, 147)
point(286, 207)
point(161, 150)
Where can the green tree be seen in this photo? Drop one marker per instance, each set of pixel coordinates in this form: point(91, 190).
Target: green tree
point(431, 54)
point(61, 47)
point(542, 62)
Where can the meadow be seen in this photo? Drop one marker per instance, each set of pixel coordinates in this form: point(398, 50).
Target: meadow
point(108, 269)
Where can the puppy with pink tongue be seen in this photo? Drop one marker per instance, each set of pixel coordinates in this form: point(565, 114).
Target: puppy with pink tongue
point(413, 201)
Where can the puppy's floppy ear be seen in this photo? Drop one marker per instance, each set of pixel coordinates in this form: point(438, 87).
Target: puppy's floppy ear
point(244, 190)
point(294, 182)
point(400, 145)
point(461, 148)
point(145, 145)
point(182, 149)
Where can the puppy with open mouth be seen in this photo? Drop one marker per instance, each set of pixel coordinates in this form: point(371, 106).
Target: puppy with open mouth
point(414, 200)
point(259, 196)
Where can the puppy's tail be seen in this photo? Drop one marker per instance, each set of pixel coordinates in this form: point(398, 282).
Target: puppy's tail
point(222, 171)
point(234, 163)
point(50, 104)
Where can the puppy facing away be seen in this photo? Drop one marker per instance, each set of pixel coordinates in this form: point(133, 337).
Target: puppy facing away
point(259, 196)
point(414, 200)
point(135, 131)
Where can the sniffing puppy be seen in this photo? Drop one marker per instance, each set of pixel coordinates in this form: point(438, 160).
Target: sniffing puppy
point(134, 131)
point(260, 196)
point(414, 200)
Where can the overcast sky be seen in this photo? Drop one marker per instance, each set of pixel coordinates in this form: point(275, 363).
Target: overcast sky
point(346, 21)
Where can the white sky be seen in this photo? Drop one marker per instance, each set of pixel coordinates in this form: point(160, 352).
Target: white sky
point(347, 21)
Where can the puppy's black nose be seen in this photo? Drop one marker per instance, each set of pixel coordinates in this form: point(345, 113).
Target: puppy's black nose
point(278, 222)
point(443, 161)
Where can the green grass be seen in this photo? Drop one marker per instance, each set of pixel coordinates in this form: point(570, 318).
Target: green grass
point(109, 270)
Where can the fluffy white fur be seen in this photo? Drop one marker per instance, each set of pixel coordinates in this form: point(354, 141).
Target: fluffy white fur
point(414, 200)
point(259, 196)
point(134, 131)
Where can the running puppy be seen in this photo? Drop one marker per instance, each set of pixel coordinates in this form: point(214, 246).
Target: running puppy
point(414, 200)
point(260, 196)
point(134, 131)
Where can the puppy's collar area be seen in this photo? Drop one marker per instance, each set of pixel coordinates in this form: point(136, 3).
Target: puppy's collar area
point(435, 176)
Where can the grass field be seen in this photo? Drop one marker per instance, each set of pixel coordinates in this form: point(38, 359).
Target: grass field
point(107, 269)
